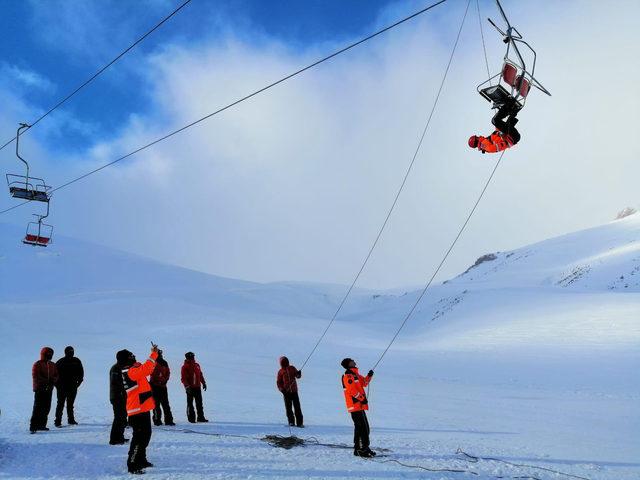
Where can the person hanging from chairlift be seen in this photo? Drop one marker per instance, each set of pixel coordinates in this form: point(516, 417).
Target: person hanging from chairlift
point(505, 136)
point(353, 385)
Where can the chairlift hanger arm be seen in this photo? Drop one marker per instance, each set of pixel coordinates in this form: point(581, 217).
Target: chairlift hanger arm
point(23, 126)
point(512, 37)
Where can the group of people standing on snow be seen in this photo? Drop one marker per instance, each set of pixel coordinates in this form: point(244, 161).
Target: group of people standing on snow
point(138, 394)
point(139, 389)
point(65, 375)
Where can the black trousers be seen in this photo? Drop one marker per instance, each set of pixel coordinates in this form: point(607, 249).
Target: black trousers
point(507, 126)
point(291, 399)
point(119, 421)
point(161, 397)
point(361, 430)
point(65, 395)
point(141, 424)
point(194, 394)
point(41, 408)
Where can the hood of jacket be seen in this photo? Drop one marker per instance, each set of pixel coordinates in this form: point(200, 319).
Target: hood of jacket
point(46, 353)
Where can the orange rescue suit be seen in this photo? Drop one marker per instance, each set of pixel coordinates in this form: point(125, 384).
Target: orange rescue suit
point(139, 395)
point(496, 142)
point(353, 385)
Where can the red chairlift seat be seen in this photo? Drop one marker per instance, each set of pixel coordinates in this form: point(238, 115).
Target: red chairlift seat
point(38, 233)
point(523, 85)
point(498, 94)
point(509, 74)
point(36, 240)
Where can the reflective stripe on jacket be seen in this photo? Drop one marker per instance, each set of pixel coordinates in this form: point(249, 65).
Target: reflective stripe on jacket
point(139, 396)
point(353, 385)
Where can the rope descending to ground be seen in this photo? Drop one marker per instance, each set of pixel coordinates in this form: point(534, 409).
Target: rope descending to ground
point(475, 459)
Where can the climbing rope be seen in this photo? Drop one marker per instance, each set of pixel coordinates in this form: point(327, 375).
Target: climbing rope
point(95, 75)
point(476, 458)
point(444, 259)
point(484, 46)
point(397, 196)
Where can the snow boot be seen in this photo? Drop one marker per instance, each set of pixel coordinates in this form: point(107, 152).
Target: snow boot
point(43, 429)
point(57, 424)
point(146, 464)
point(202, 420)
point(170, 424)
point(363, 453)
point(136, 470)
point(72, 421)
point(157, 424)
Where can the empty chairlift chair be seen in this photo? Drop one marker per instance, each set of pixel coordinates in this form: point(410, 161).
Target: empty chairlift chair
point(26, 187)
point(38, 234)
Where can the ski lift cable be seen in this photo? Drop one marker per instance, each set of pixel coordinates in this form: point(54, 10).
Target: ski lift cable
point(240, 100)
point(99, 72)
point(442, 261)
point(484, 46)
point(397, 196)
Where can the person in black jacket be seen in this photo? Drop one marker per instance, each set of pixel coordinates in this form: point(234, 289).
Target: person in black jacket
point(71, 375)
point(118, 398)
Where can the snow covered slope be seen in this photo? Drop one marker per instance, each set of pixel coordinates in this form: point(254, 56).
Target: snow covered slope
point(532, 356)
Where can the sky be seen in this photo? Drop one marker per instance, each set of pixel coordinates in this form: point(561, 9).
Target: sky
point(294, 184)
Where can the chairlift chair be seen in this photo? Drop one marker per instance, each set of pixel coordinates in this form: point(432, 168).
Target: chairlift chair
point(515, 79)
point(26, 187)
point(38, 234)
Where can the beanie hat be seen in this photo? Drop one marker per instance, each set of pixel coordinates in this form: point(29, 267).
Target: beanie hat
point(123, 356)
point(345, 363)
point(189, 355)
point(69, 350)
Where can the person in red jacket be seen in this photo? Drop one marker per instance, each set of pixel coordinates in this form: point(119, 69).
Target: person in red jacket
point(353, 385)
point(45, 375)
point(193, 379)
point(505, 136)
point(288, 386)
point(158, 381)
point(139, 403)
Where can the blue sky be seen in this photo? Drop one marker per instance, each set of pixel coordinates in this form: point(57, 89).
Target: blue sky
point(294, 184)
point(48, 48)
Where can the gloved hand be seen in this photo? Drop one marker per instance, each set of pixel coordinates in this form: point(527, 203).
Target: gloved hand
point(204, 387)
point(187, 389)
point(299, 374)
point(370, 374)
point(365, 402)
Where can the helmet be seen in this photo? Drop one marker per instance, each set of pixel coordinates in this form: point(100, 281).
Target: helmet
point(473, 141)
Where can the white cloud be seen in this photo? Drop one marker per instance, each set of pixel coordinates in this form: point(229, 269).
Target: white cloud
point(293, 184)
point(22, 77)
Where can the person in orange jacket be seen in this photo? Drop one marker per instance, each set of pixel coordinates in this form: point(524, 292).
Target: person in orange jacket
point(505, 136)
point(139, 405)
point(353, 385)
point(45, 375)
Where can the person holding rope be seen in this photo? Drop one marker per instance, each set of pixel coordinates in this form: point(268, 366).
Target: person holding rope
point(288, 386)
point(353, 385)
